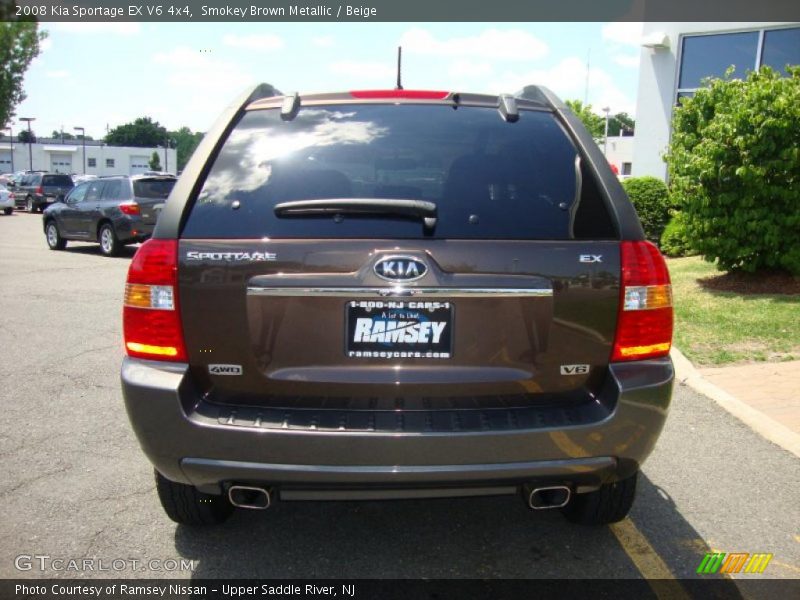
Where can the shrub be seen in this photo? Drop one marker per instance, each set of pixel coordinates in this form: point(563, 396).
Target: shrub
point(734, 165)
point(675, 239)
point(651, 200)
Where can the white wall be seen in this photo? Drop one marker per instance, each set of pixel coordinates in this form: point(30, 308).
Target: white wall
point(42, 157)
point(658, 74)
point(619, 150)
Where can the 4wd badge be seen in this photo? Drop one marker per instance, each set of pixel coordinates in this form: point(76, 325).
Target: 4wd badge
point(225, 369)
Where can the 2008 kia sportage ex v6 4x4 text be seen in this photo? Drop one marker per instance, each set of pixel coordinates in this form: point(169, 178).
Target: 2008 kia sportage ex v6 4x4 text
point(396, 294)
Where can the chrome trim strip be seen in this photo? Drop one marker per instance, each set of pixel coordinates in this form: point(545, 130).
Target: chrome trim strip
point(399, 292)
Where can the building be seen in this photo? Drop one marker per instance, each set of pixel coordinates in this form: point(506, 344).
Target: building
point(676, 57)
point(66, 156)
point(619, 153)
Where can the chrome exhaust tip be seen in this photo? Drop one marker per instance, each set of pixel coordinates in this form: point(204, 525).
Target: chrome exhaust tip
point(245, 496)
point(542, 498)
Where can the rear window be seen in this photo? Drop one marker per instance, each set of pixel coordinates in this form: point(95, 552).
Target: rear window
point(153, 188)
point(489, 179)
point(60, 180)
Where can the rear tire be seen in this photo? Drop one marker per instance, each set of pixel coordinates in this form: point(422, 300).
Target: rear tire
point(186, 505)
point(8, 211)
point(611, 503)
point(29, 204)
point(109, 244)
point(54, 239)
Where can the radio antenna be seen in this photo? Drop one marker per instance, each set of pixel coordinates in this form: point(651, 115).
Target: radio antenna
point(399, 62)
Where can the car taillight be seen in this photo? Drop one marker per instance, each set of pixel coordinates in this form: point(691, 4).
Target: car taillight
point(644, 322)
point(39, 190)
point(129, 208)
point(412, 94)
point(151, 320)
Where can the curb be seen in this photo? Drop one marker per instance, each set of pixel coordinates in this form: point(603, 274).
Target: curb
point(778, 434)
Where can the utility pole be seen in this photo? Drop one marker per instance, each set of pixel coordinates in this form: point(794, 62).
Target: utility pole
point(83, 138)
point(30, 140)
point(605, 135)
point(586, 89)
point(11, 143)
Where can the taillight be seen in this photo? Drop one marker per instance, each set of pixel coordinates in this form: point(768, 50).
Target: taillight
point(413, 94)
point(644, 322)
point(39, 190)
point(129, 208)
point(150, 317)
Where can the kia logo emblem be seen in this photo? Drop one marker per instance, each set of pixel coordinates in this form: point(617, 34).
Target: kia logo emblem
point(400, 268)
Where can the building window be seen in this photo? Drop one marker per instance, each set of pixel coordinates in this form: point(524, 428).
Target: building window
point(711, 55)
point(91, 162)
point(110, 163)
point(626, 168)
point(781, 48)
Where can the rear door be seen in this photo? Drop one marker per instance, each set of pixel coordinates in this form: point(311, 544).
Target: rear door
point(68, 213)
point(496, 301)
point(55, 187)
point(88, 210)
point(150, 193)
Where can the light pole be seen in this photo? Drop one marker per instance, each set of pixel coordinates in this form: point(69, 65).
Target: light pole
point(11, 143)
point(30, 140)
point(83, 138)
point(166, 155)
point(605, 135)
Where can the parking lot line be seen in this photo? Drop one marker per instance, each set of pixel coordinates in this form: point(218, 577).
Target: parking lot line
point(648, 562)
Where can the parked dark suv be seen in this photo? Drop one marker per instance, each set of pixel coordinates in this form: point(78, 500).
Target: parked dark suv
point(36, 191)
point(397, 294)
point(112, 211)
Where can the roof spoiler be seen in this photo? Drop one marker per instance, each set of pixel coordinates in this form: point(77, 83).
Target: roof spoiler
point(262, 90)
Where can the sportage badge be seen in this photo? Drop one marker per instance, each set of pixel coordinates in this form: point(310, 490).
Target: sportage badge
point(400, 268)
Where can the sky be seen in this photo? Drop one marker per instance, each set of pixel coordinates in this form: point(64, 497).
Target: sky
point(95, 75)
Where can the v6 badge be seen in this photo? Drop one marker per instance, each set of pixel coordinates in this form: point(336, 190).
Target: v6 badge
point(574, 369)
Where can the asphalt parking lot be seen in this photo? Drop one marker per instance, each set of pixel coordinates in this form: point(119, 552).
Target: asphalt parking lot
point(76, 485)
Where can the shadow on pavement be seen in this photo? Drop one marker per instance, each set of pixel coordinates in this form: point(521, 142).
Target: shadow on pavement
point(459, 538)
point(126, 252)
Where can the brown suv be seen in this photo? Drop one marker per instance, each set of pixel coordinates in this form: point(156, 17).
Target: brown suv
point(397, 294)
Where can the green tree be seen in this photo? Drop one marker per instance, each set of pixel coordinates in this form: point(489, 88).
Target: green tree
point(620, 123)
point(185, 144)
point(594, 123)
point(141, 133)
point(650, 198)
point(155, 162)
point(62, 135)
point(19, 45)
point(25, 137)
point(734, 167)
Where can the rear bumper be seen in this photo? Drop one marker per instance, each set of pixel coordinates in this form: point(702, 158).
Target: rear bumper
point(198, 444)
point(132, 229)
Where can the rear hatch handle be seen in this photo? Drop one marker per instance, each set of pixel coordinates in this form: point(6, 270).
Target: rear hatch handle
point(377, 206)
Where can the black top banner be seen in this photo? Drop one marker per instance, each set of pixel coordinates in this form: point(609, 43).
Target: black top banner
point(401, 10)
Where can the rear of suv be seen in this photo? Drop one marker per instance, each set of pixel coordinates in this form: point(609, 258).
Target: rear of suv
point(37, 191)
point(397, 294)
point(113, 211)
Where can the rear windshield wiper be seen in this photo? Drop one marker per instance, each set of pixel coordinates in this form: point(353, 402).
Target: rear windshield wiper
point(365, 206)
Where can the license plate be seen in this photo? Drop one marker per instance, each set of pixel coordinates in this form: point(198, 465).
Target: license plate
point(399, 329)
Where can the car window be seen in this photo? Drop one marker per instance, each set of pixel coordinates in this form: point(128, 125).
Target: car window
point(153, 188)
point(59, 180)
point(78, 193)
point(113, 190)
point(489, 179)
point(95, 191)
